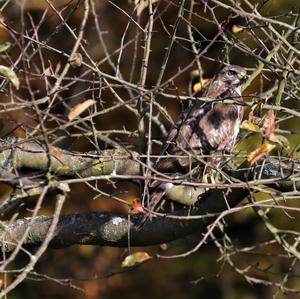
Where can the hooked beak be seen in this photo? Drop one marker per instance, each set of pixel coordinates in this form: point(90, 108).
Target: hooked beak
point(243, 77)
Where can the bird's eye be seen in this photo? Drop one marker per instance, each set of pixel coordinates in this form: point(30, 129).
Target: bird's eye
point(231, 73)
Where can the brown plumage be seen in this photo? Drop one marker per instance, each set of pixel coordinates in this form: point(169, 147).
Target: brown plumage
point(203, 128)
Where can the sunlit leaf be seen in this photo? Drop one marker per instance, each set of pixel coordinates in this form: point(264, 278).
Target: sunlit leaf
point(78, 109)
point(135, 258)
point(236, 29)
point(4, 46)
point(136, 207)
point(47, 72)
point(141, 5)
point(57, 68)
point(54, 151)
point(247, 125)
point(163, 246)
point(282, 140)
point(9, 74)
point(269, 124)
point(199, 85)
point(260, 152)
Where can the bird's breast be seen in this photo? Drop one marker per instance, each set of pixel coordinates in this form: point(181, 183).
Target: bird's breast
point(221, 126)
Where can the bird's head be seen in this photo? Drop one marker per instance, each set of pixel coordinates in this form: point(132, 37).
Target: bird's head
point(233, 75)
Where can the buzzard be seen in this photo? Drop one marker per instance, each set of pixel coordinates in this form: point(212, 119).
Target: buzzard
point(204, 128)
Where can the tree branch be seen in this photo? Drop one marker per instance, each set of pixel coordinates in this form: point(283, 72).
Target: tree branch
point(106, 229)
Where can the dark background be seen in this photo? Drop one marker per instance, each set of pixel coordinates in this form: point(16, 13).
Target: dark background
point(205, 274)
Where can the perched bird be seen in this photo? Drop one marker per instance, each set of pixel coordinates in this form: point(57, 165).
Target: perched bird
point(204, 128)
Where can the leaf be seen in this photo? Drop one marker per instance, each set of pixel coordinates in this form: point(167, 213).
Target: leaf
point(4, 46)
point(237, 28)
point(283, 141)
point(9, 74)
point(54, 151)
point(254, 119)
point(47, 72)
point(76, 60)
point(163, 246)
point(269, 124)
point(248, 125)
point(141, 5)
point(199, 85)
point(57, 68)
point(78, 109)
point(260, 152)
point(136, 207)
point(135, 258)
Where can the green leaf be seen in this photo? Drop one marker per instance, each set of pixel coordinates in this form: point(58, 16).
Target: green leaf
point(9, 74)
point(135, 258)
point(4, 46)
point(247, 125)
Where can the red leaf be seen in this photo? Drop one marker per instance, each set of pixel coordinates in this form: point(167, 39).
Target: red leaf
point(136, 207)
point(54, 151)
point(260, 152)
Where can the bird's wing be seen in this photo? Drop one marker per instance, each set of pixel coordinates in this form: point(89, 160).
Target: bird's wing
point(169, 143)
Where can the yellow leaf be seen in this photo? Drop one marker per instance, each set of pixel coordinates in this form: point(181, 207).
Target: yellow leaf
point(199, 85)
point(283, 141)
point(248, 125)
point(4, 46)
point(236, 29)
point(78, 109)
point(10, 75)
point(57, 68)
point(135, 258)
point(260, 152)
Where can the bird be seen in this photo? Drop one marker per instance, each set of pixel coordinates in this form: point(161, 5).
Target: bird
point(204, 128)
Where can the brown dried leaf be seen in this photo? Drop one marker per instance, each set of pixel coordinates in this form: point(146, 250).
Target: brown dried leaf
point(76, 60)
point(256, 120)
point(20, 132)
point(251, 113)
point(247, 125)
point(135, 258)
point(78, 109)
point(269, 124)
point(260, 152)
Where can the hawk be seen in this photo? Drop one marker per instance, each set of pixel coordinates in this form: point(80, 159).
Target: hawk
point(204, 128)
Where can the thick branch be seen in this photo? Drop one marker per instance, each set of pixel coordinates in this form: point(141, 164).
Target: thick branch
point(20, 154)
point(118, 162)
point(107, 229)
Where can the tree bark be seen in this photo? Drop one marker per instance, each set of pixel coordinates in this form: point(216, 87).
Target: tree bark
point(107, 229)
